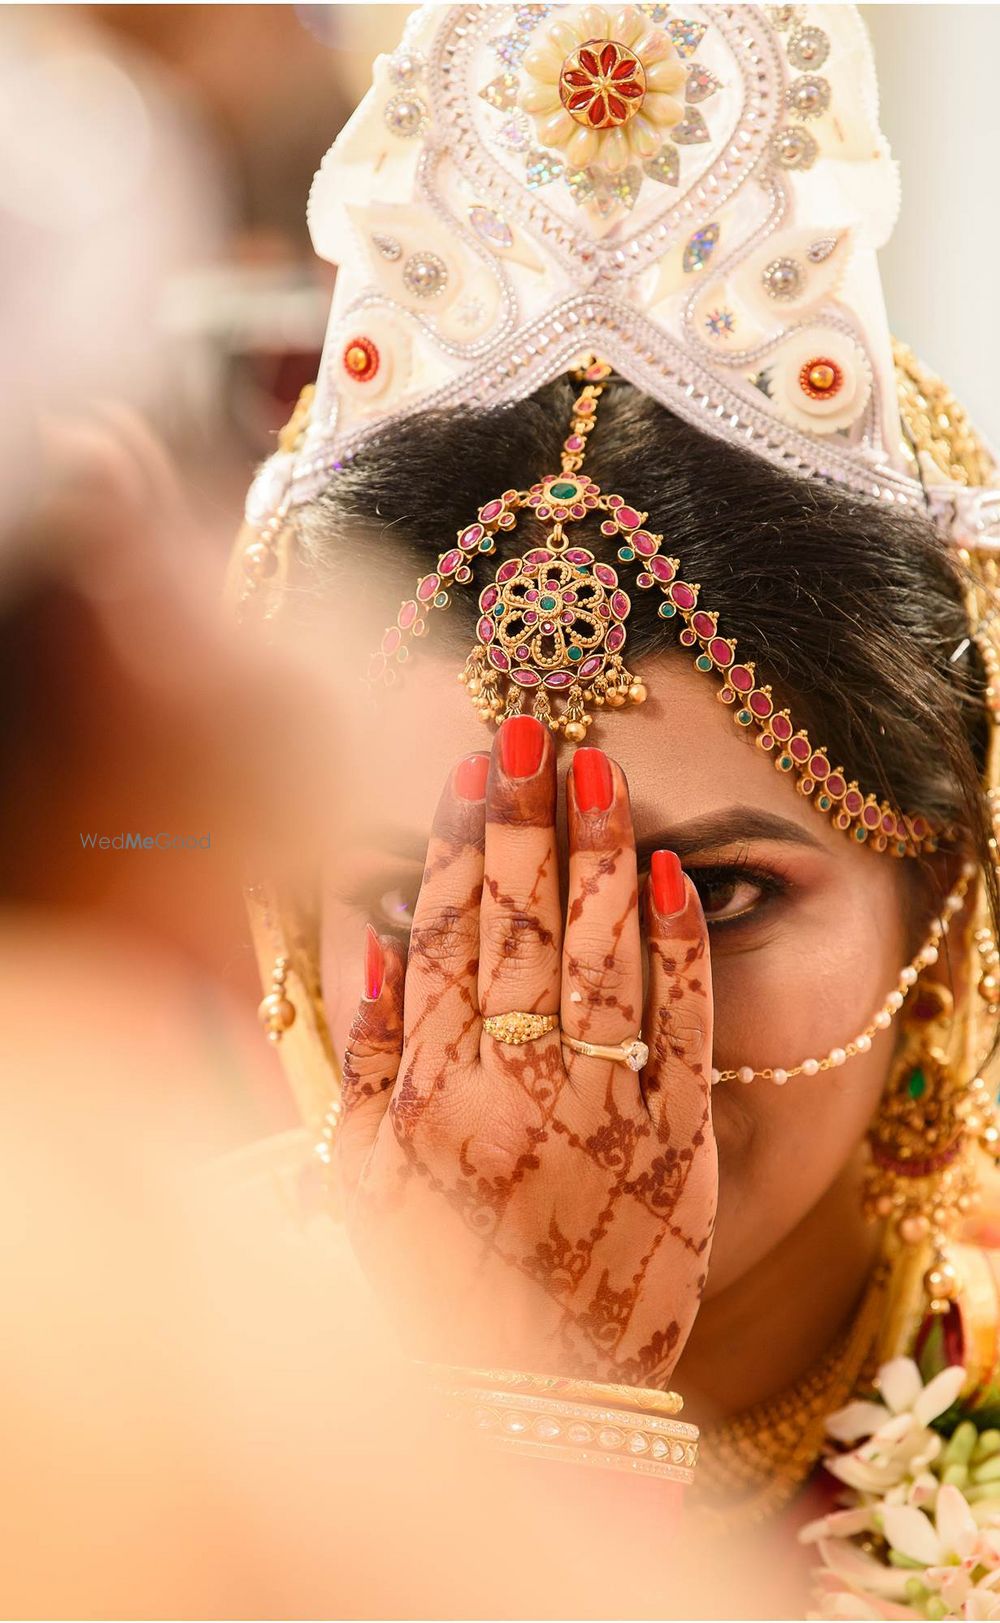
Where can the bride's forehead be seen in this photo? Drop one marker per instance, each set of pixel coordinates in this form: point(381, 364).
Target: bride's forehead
point(680, 751)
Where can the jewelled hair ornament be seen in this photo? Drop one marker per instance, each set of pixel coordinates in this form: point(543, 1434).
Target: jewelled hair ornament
point(696, 197)
point(552, 631)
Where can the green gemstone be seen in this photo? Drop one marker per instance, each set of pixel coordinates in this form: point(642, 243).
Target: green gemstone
point(917, 1084)
point(486, 544)
point(403, 653)
point(667, 611)
point(824, 802)
point(500, 611)
point(744, 718)
point(563, 492)
point(547, 603)
point(785, 763)
point(861, 834)
point(626, 554)
point(441, 600)
point(575, 653)
point(703, 662)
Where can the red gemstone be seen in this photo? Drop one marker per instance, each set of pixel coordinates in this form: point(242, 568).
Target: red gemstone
point(853, 802)
point(485, 629)
point(392, 639)
point(889, 824)
point(609, 56)
point(491, 510)
point(407, 615)
point(720, 651)
point(759, 704)
point(617, 109)
point(741, 678)
point(576, 442)
point(643, 543)
point(616, 636)
point(798, 749)
point(620, 604)
point(573, 76)
point(579, 99)
point(589, 61)
point(631, 90)
point(819, 766)
point(703, 623)
point(781, 727)
point(628, 518)
point(662, 568)
point(624, 70)
point(361, 360)
point(450, 562)
point(871, 817)
point(682, 594)
point(471, 536)
point(921, 828)
point(835, 785)
point(427, 587)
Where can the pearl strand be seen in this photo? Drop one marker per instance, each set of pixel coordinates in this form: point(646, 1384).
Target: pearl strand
point(882, 1019)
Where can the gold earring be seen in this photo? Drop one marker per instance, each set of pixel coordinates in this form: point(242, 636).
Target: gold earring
point(276, 1011)
point(921, 1177)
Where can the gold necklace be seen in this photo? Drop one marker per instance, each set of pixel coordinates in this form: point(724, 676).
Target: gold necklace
point(752, 1465)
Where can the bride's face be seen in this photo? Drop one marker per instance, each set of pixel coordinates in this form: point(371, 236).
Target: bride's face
point(808, 931)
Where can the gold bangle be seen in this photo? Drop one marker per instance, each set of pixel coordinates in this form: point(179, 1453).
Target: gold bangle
point(643, 1399)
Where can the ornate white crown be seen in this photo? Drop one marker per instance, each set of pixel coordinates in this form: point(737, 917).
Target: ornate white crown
point(696, 195)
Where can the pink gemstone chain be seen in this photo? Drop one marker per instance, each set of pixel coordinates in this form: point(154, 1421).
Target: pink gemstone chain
point(552, 630)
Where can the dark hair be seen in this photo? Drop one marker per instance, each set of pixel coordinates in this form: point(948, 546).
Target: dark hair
point(853, 610)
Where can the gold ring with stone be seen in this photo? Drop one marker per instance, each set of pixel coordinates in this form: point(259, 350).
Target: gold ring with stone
point(518, 1027)
point(634, 1054)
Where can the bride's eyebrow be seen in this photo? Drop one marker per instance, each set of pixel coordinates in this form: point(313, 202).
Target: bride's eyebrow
point(731, 825)
point(391, 840)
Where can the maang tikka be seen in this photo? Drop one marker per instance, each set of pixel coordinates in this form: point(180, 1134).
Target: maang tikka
point(552, 630)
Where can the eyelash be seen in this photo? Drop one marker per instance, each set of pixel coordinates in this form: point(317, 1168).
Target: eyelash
point(385, 908)
point(771, 885)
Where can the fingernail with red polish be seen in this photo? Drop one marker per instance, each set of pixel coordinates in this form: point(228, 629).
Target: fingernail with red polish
point(374, 966)
point(470, 777)
point(593, 783)
point(522, 740)
point(666, 878)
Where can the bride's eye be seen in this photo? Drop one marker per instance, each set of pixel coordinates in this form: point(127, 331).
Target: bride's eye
point(728, 894)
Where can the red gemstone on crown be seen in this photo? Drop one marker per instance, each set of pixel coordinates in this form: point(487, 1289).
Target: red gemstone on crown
point(602, 84)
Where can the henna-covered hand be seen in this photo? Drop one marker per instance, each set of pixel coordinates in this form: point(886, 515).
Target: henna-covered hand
point(528, 1205)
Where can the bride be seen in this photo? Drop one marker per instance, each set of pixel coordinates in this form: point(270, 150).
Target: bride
point(643, 1033)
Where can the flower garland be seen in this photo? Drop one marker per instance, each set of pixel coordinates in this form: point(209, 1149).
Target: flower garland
point(918, 1531)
